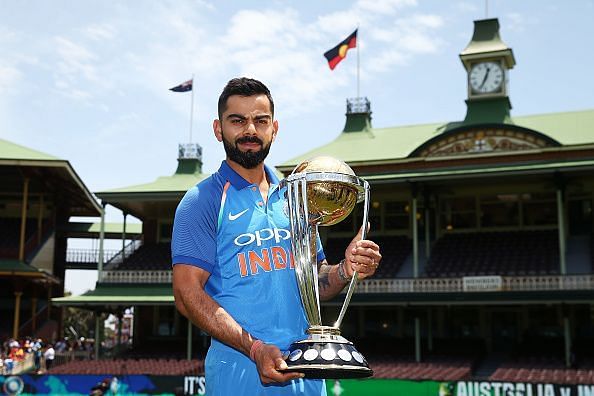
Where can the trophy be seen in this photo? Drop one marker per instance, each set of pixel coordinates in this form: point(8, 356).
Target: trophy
point(321, 192)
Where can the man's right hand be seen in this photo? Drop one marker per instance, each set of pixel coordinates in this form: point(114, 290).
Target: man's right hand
point(270, 364)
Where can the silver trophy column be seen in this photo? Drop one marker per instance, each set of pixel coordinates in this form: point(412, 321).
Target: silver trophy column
point(322, 191)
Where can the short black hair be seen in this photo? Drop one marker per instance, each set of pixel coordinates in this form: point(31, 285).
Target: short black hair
point(243, 86)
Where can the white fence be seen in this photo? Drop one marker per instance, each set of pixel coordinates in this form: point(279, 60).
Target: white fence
point(408, 285)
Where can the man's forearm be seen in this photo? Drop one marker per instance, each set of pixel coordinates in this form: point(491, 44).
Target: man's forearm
point(207, 314)
point(330, 283)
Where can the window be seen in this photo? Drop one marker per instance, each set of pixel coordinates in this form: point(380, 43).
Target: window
point(539, 209)
point(500, 210)
point(458, 213)
point(397, 215)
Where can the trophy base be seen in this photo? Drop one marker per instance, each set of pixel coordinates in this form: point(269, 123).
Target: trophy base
point(326, 354)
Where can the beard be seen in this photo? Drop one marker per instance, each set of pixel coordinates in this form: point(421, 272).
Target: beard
point(247, 159)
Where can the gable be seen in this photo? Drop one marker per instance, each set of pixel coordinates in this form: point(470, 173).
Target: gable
point(485, 138)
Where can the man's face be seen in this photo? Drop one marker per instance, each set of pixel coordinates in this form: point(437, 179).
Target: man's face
point(246, 129)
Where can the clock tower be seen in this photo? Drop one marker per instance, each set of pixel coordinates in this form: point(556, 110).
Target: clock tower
point(487, 60)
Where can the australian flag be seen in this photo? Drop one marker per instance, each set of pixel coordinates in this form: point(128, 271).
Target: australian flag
point(183, 87)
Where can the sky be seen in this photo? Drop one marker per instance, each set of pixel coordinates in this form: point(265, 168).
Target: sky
point(88, 81)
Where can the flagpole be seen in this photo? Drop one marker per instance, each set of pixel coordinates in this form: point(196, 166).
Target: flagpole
point(192, 110)
point(358, 63)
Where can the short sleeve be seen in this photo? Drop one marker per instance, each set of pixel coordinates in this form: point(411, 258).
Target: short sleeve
point(194, 239)
point(320, 250)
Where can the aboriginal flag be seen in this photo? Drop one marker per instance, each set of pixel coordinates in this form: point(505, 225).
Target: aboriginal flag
point(183, 87)
point(338, 53)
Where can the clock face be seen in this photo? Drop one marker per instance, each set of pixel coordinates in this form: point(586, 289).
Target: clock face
point(486, 77)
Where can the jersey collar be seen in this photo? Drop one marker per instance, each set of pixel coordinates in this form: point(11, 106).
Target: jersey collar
point(239, 182)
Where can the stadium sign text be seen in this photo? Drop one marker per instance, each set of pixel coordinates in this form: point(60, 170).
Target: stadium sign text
point(485, 388)
point(195, 385)
point(482, 283)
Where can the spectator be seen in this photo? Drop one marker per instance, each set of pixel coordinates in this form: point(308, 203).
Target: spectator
point(37, 345)
point(61, 345)
point(9, 364)
point(49, 356)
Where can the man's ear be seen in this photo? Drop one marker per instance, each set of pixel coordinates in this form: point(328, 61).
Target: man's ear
point(275, 129)
point(218, 130)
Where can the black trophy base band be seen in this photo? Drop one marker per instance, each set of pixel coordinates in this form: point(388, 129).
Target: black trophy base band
point(326, 359)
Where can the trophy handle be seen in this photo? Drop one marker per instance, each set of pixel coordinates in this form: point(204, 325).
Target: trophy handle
point(354, 280)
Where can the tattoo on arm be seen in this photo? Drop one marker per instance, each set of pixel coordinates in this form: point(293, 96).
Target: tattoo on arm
point(323, 276)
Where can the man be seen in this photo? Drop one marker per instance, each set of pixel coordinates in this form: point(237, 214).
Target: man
point(37, 346)
point(232, 270)
point(49, 355)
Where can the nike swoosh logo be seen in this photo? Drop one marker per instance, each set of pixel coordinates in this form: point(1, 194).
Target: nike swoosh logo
point(236, 216)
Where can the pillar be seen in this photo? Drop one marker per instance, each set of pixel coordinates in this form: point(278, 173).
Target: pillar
point(33, 314)
point(40, 219)
point(567, 336)
point(189, 346)
point(98, 329)
point(417, 339)
point(415, 232)
point(49, 302)
point(561, 228)
point(124, 237)
point(24, 219)
point(101, 239)
point(17, 314)
point(429, 331)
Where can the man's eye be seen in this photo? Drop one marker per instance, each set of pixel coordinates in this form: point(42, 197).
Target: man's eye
point(237, 121)
point(263, 121)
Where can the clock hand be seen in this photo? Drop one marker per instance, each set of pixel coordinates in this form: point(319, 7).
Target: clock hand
point(485, 78)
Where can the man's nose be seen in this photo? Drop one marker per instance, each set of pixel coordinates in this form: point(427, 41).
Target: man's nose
point(250, 127)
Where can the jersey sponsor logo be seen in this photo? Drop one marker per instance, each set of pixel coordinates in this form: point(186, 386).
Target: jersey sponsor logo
point(265, 234)
point(237, 215)
point(268, 259)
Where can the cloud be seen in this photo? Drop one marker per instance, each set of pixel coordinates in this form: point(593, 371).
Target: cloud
point(405, 39)
point(9, 77)
point(100, 32)
point(517, 22)
point(122, 59)
point(383, 7)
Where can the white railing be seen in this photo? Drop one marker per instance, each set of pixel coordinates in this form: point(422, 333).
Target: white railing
point(88, 256)
point(456, 285)
point(405, 285)
point(135, 276)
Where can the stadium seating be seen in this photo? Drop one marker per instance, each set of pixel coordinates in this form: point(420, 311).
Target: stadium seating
point(515, 253)
point(149, 257)
point(434, 368)
point(132, 366)
point(543, 370)
point(395, 250)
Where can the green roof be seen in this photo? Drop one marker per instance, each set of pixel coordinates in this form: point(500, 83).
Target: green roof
point(487, 42)
point(124, 294)
point(52, 169)
point(481, 171)
point(186, 176)
point(15, 266)
point(174, 183)
point(384, 144)
point(13, 151)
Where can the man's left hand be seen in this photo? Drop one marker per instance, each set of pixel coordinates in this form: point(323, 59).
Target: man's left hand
point(363, 256)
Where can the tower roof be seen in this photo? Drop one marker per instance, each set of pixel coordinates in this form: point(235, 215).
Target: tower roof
point(486, 42)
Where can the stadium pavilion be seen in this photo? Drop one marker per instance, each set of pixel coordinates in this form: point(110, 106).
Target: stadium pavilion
point(485, 226)
point(39, 194)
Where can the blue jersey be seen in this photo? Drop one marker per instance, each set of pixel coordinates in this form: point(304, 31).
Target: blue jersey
point(223, 226)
